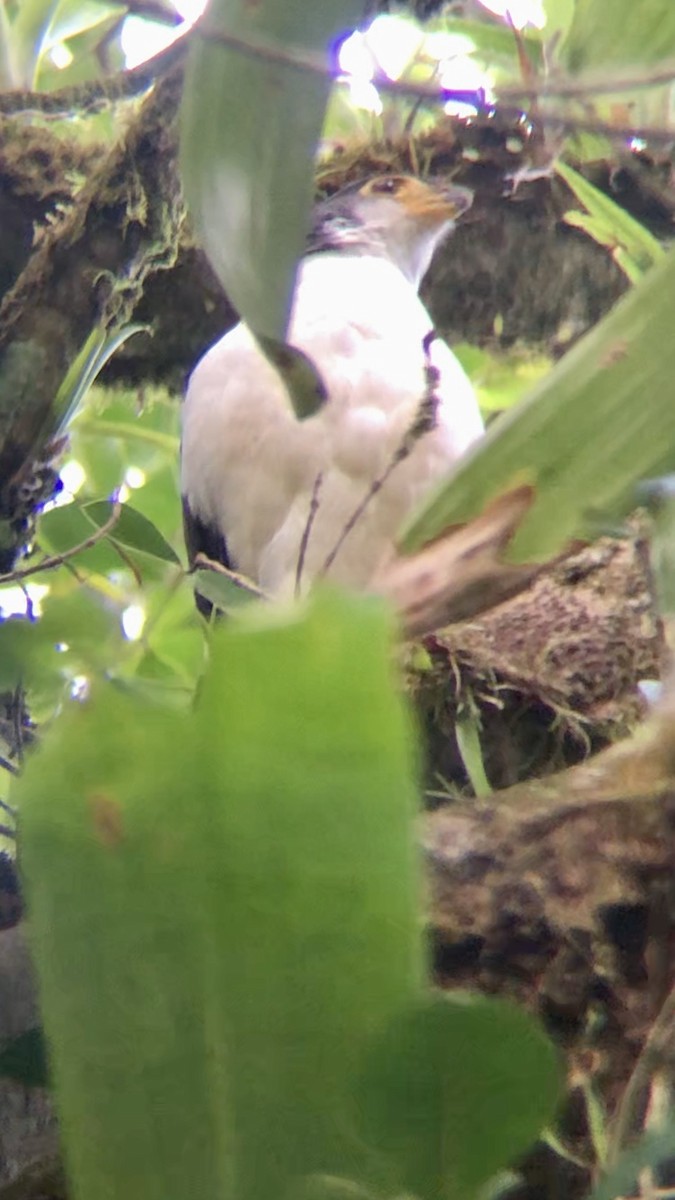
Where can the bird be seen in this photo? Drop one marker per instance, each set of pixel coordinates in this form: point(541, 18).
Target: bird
point(283, 500)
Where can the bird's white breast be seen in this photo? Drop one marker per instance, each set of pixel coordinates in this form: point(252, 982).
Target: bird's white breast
point(249, 466)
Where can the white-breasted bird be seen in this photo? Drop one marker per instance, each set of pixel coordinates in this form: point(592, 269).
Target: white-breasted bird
point(257, 481)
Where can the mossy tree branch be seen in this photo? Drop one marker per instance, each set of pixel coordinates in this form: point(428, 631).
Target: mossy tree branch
point(87, 272)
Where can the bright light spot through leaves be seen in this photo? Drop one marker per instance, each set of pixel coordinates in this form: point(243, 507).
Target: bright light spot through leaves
point(72, 476)
point(393, 45)
point(135, 477)
point(133, 621)
point(14, 601)
point(142, 38)
point(519, 12)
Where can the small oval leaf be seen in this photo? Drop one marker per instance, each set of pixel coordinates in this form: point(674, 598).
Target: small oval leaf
point(132, 530)
point(455, 1090)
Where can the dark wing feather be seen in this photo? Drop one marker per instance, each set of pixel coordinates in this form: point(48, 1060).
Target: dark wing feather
point(201, 538)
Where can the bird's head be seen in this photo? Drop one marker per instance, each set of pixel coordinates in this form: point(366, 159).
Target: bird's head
point(393, 216)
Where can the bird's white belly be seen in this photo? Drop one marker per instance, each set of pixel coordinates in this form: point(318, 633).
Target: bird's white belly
point(251, 468)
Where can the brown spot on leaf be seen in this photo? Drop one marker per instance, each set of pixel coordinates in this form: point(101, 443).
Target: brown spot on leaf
point(106, 815)
point(615, 354)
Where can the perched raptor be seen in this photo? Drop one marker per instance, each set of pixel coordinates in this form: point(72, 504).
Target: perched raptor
point(258, 483)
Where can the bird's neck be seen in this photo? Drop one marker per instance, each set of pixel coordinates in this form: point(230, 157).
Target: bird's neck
point(415, 258)
point(412, 259)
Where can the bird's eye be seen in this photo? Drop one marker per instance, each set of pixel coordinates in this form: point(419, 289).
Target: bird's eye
point(389, 185)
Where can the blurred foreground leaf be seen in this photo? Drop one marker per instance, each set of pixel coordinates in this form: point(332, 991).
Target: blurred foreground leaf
point(225, 910)
point(601, 421)
point(250, 130)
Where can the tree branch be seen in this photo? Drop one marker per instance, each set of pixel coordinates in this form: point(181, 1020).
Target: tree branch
point(88, 273)
point(57, 560)
point(89, 98)
point(318, 64)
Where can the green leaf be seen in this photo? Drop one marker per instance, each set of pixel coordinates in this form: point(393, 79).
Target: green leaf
point(455, 1090)
point(90, 627)
point(633, 247)
point(654, 1147)
point(132, 530)
point(227, 594)
point(88, 363)
point(87, 50)
point(24, 1059)
point(28, 657)
point(619, 32)
point(63, 529)
point(134, 434)
point(467, 733)
point(138, 430)
point(40, 24)
point(602, 420)
point(344, 122)
point(501, 378)
point(244, 884)
point(250, 128)
point(559, 17)
point(68, 527)
point(9, 72)
point(69, 18)
point(76, 635)
point(27, 31)
point(658, 498)
point(494, 40)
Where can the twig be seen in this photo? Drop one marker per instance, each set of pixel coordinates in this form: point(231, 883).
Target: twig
point(423, 422)
point(13, 770)
point(92, 97)
point(304, 542)
point(129, 564)
point(651, 1057)
point(656, 135)
point(203, 562)
point(563, 87)
point(317, 64)
point(57, 560)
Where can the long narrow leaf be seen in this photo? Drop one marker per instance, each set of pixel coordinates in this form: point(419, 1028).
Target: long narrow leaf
point(603, 419)
point(632, 246)
point(99, 347)
point(249, 134)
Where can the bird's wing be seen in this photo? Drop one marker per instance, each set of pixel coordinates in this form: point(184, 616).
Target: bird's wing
point(203, 538)
point(244, 453)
